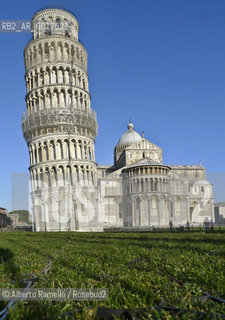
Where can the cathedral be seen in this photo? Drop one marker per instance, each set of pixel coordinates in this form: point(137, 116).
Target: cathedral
point(69, 190)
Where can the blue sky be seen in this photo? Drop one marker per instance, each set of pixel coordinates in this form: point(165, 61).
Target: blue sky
point(161, 63)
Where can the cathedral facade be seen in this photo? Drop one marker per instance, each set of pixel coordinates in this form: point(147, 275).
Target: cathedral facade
point(69, 190)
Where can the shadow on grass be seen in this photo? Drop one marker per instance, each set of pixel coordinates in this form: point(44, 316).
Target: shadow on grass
point(5, 255)
point(10, 270)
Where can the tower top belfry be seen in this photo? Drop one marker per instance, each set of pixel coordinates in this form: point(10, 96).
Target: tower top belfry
point(55, 22)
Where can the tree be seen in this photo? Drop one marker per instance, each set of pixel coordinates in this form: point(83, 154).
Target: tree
point(24, 215)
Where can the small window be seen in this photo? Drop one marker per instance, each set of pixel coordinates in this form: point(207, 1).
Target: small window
point(48, 30)
point(202, 189)
point(57, 23)
point(67, 34)
point(143, 155)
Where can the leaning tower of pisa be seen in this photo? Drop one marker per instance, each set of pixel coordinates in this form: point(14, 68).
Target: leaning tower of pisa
point(60, 127)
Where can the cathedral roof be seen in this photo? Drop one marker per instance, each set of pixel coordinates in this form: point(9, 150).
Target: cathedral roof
point(146, 162)
point(129, 136)
point(219, 204)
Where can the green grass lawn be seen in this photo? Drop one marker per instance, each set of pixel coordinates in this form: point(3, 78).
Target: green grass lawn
point(141, 270)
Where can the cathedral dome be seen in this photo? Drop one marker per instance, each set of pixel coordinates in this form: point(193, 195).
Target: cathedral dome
point(129, 136)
